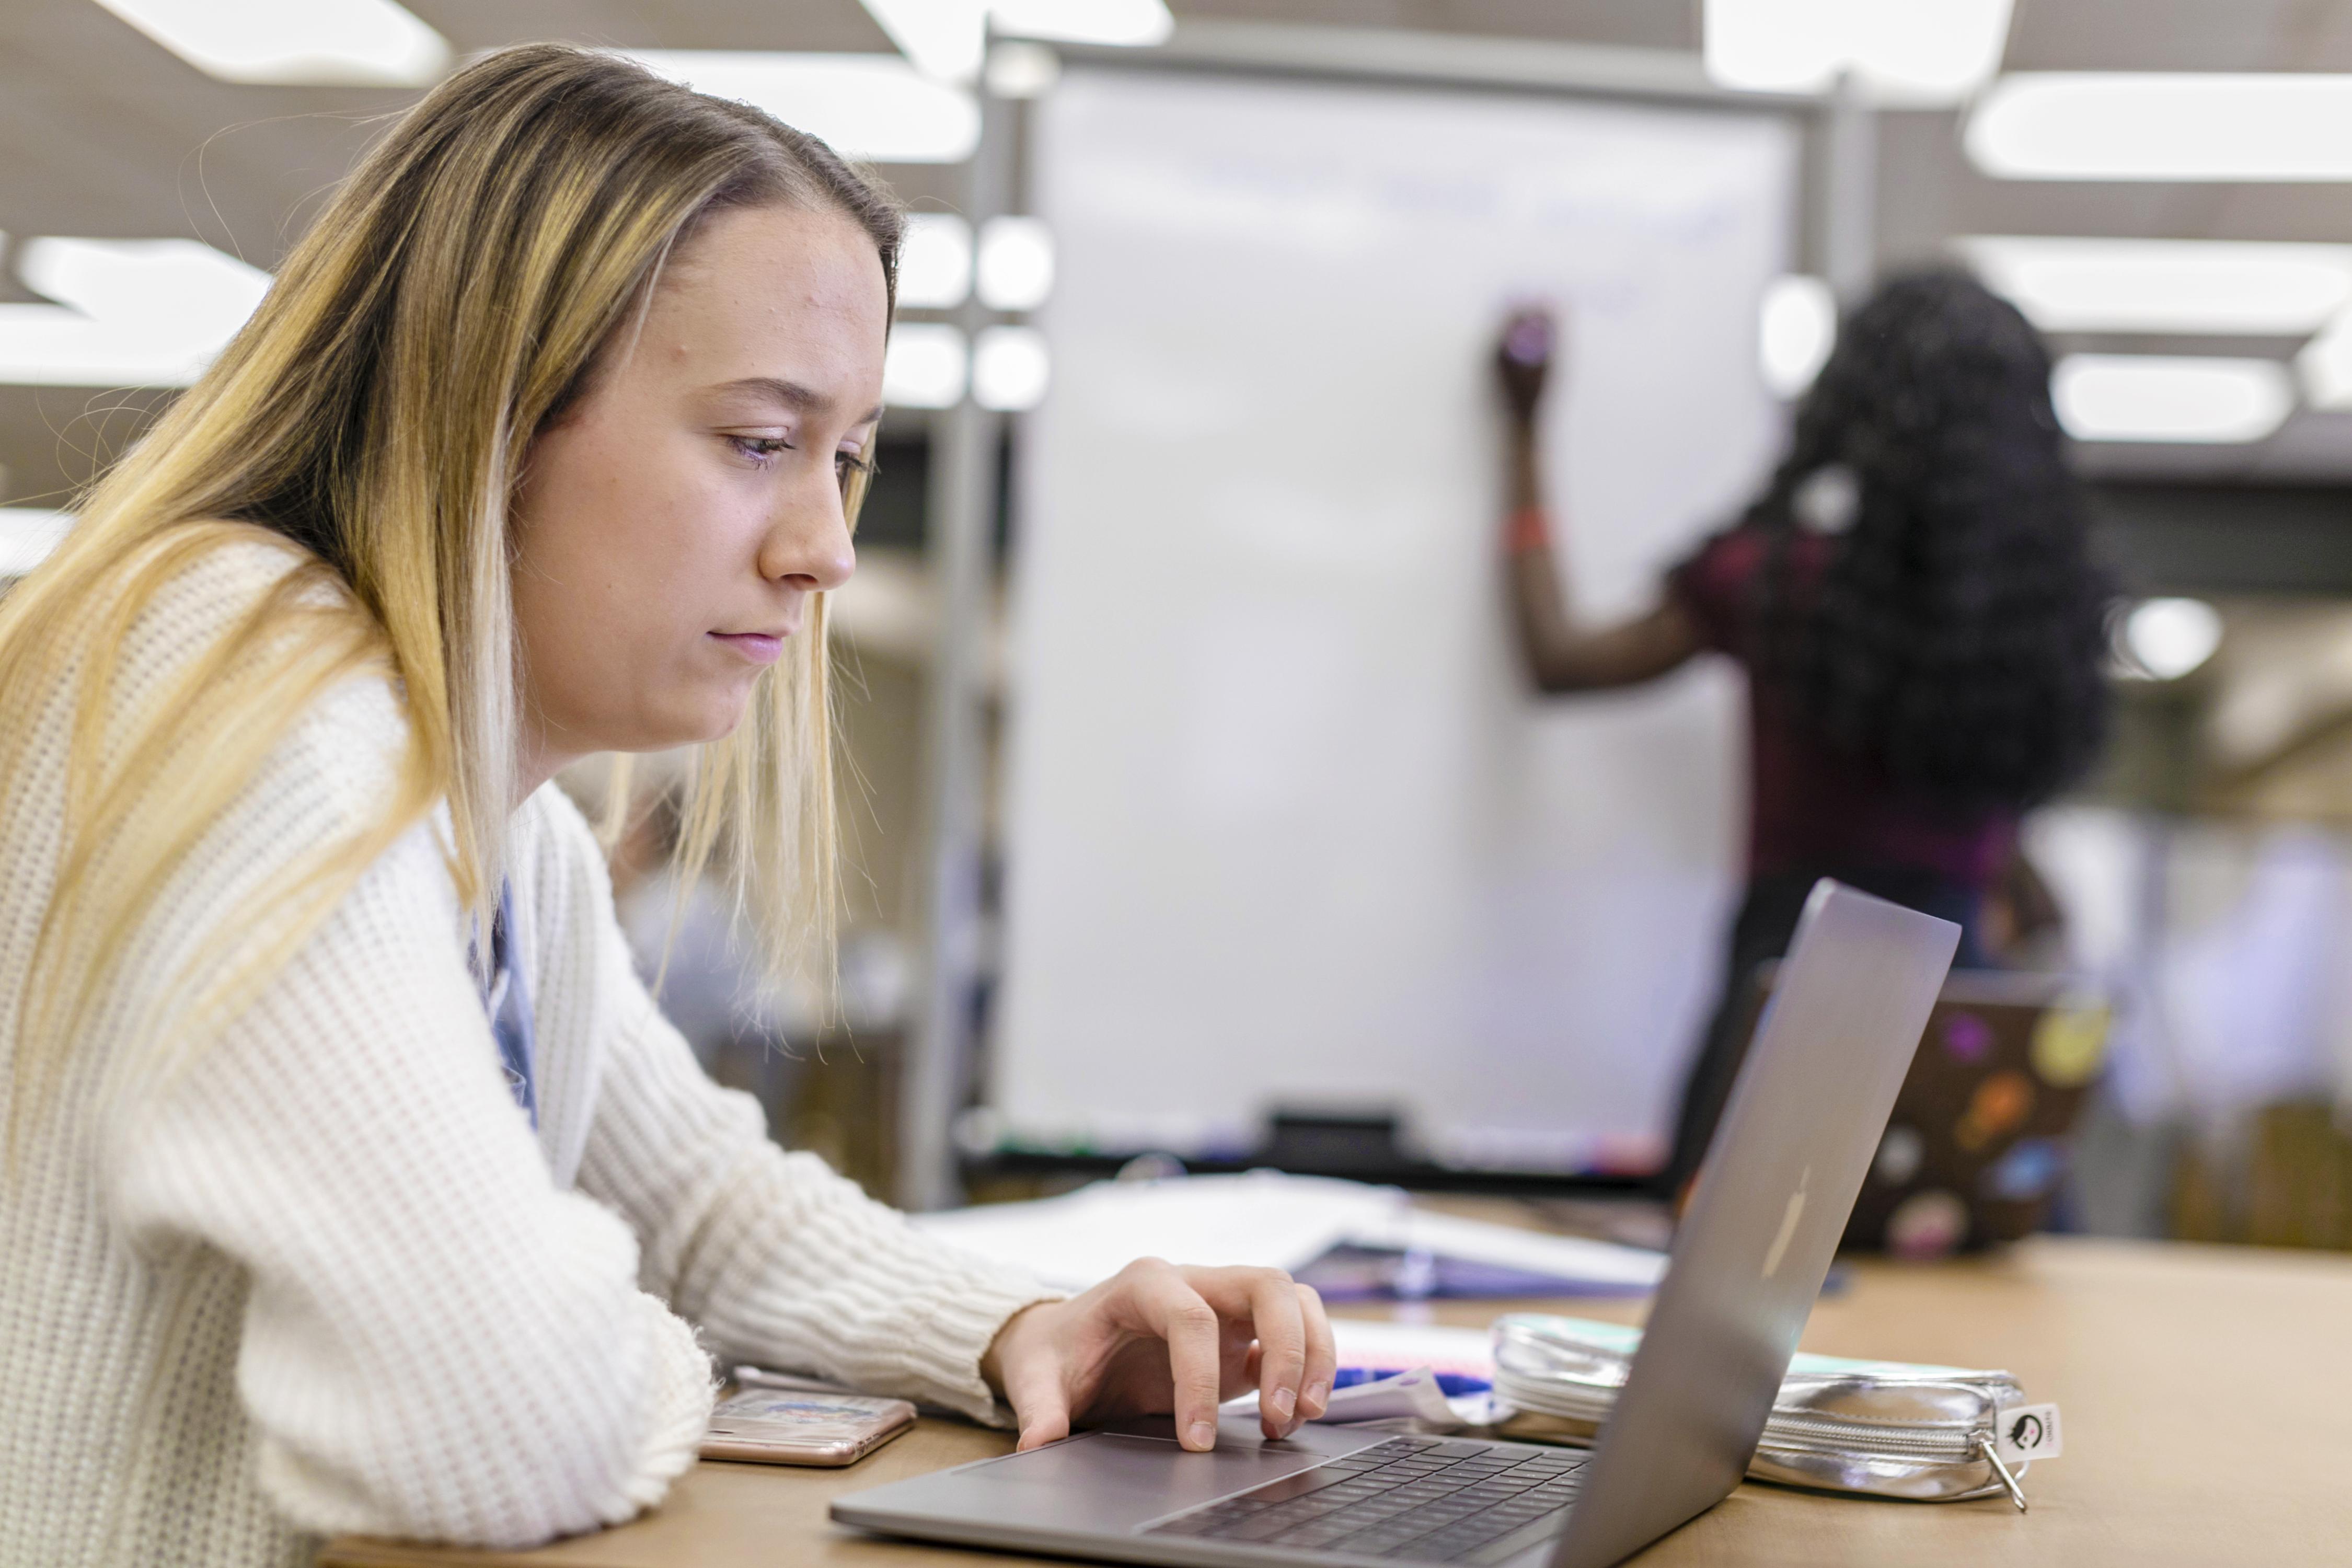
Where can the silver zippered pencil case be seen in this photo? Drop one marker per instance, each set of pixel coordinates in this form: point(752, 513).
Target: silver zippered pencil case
point(1891, 1429)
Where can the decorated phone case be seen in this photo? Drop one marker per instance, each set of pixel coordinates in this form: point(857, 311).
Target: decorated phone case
point(777, 1427)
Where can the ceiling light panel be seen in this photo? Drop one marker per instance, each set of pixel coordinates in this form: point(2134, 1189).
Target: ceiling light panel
point(27, 534)
point(1128, 22)
point(935, 262)
point(1018, 69)
point(2325, 366)
point(1796, 329)
point(1010, 368)
point(877, 108)
point(146, 312)
point(2168, 638)
point(925, 366)
point(1016, 263)
point(2165, 285)
point(2177, 398)
point(336, 42)
point(173, 285)
point(2190, 126)
point(941, 39)
point(945, 38)
point(1912, 53)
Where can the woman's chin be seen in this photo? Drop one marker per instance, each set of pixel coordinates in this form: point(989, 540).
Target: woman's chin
point(691, 726)
point(720, 719)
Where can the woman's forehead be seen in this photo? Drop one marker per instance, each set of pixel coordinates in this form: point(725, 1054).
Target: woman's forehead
point(768, 257)
point(779, 304)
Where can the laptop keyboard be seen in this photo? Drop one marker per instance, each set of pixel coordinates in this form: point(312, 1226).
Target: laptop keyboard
point(1423, 1499)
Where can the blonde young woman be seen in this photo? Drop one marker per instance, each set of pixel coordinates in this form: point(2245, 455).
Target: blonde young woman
point(353, 1183)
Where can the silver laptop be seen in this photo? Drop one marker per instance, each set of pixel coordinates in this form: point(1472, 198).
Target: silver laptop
point(1748, 1258)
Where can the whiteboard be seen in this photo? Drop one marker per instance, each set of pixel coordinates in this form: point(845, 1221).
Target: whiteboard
point(1284, 824)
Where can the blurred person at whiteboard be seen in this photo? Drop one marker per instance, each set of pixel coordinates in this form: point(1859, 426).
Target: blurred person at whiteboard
point(1916, 603)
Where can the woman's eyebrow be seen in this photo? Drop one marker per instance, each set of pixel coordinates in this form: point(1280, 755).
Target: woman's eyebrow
point(791, 394)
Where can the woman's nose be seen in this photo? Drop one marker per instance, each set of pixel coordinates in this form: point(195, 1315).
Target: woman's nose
point(809, 547)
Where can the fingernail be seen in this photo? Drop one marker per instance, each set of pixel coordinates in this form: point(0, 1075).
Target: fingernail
point(1201, 1435)
point(1285, 1402)
point(1318, 1398)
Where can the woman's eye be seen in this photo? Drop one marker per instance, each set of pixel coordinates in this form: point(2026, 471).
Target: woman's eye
point(761, 449)
point(847, 463)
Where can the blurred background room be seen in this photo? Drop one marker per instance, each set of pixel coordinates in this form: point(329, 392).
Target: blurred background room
point(1200, 814)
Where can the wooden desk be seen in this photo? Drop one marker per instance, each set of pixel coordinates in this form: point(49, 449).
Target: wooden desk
point(2207, 1393)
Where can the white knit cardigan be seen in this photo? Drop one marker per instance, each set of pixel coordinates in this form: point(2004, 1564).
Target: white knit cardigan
point(327, 1279)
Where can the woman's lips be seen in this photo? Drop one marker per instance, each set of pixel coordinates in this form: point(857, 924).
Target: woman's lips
point(760, 647)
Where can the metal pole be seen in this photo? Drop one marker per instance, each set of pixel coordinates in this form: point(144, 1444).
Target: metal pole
point(960, 543)
point(1850, 230)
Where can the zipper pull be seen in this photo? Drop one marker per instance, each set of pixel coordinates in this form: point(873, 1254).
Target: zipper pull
point(2016, 1492)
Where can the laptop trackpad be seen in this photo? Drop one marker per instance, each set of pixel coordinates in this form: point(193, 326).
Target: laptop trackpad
point(1105, 1481)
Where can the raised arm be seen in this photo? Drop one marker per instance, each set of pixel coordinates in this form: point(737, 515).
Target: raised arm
point(1563, 653)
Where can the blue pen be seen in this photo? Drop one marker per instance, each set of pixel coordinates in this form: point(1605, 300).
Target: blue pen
point(1452, 1385)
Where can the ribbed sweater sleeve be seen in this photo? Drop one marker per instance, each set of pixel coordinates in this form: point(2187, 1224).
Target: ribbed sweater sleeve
point(780, 1260)
point(436, 1342)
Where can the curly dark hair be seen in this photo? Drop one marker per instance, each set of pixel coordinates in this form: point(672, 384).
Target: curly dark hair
point(1958, 631)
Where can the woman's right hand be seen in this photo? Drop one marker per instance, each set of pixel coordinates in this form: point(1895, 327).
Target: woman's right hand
point(1523, 357)
point(1155, 1339)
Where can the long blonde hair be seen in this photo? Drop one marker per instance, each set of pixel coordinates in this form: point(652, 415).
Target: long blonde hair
point(451, 301)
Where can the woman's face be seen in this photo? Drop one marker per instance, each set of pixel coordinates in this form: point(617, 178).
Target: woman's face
point(671, 528)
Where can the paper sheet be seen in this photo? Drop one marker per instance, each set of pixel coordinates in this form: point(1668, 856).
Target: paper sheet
point(1264, 1220)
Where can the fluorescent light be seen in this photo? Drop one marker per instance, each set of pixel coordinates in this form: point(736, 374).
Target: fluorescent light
point(872, 107)
point(2167, 638)
point(169, 284)
point(337, 43)
point(1010, 368)
point(1017, 69)
point(944, 38)
point(2157, 397)
point(2325, 366)
point(2121, 125)
point(27, 534)
point(925, 366)
point(1914, 53)
point(133, 312)
point(934, 261)
point(1796, 329)
point(2166, 285)
point(1130, 23)
point(1016, 263)
point(936, 267)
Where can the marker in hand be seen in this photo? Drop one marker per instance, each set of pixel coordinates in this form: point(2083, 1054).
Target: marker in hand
point(1523, 358)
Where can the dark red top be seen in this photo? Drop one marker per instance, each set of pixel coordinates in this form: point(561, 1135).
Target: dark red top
point(1816, 809)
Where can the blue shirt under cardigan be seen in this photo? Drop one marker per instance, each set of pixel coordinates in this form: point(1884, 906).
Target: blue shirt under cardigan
point(505, 999)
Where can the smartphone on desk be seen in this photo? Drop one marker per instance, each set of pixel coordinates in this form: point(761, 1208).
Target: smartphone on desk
point(787, 1426)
